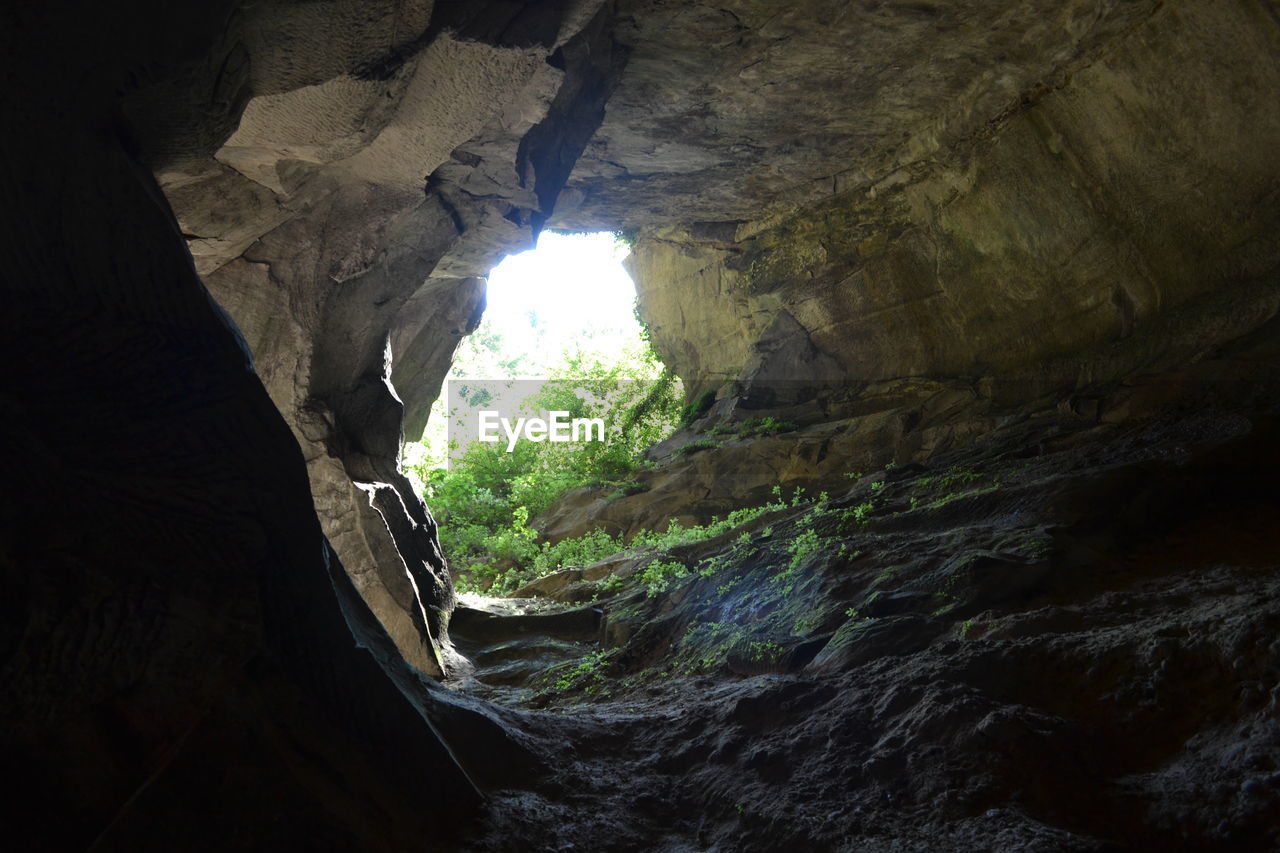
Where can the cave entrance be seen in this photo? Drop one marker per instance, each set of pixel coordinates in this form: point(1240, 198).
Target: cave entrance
point(557, 391)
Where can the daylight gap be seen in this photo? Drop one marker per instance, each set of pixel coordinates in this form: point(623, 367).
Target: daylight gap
point(558, 389)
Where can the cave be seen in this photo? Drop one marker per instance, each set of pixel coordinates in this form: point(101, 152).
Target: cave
point(1008, 272)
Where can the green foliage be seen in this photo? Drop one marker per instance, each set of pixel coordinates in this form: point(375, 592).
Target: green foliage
point(806, 624)
point(486, 499)
point(535, 560)
point(611, 584)
point(1038, 548)
point(694, 446)
point(631, 487)
point(764, 426)
point(658, 575)
point(727, 587)
point(971, 493)
point(713, 565)
point(802, 546)
point(763, 650)
point(858, 513)
point(950, 478)
point(697, 408)
point(586, 675)
point(676, 535)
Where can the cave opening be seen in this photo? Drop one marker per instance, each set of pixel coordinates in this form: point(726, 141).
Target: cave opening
point(557, 389)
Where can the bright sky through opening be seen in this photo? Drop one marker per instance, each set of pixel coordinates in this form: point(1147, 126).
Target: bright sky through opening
point(570, 292)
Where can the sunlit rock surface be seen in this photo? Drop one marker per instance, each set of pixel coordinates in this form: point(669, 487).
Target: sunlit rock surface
point(347, 225)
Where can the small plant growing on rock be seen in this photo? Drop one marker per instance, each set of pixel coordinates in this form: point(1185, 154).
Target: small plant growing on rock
point(802, 546)
point(712, 565)
point(762, 650)
point(805, 624)
point(971, 493)
point(697, 408)
point(764, 426)
point(694, 446)
point(658, 575)
point(611, 583)
point(727, 587)
point(1038, 548)
point(631, 487)
point(586, 675)
point(858, 513)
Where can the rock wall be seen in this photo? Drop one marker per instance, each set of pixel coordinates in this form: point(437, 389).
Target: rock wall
point(187, 664)
point(1066, 224)
point(1034, 238)
point(956, 211)
point(348, 221)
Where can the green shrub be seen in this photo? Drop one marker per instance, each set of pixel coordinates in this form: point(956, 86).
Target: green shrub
point(697, 408)
point(484, 501)
point(802, 546)
point(630, 487)
point(657, 576)
point(694, 446)
point(765, 426)
point(587, 674)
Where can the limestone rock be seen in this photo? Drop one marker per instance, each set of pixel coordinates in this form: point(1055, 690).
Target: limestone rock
point(348, 222)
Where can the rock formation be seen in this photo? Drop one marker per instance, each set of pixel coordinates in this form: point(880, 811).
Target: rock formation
point(1032, 242)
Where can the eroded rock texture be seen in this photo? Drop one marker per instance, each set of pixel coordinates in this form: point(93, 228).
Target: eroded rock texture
point(186, 662)
point(348, 222)
point(1028, 242)
point(1022, 232)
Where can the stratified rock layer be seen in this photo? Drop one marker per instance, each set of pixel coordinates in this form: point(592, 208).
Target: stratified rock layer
point(1066, 242)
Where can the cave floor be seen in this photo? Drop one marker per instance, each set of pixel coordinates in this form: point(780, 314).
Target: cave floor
point(1083, 657)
